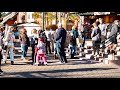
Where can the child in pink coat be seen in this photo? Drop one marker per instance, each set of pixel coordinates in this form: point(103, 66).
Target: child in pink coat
point(40, 52)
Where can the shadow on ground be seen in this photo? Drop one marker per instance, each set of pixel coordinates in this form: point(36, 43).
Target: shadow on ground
point(47, 74)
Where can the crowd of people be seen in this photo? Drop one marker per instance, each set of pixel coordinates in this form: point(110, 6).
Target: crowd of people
point(43, 42)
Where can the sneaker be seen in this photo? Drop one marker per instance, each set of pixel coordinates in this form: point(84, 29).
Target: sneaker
point(22, 58)
point(45, 63)
point(60, 63)
point(36, 64)
point(97, 56)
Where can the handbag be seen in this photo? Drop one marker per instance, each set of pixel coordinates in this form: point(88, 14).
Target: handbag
point(79, 40)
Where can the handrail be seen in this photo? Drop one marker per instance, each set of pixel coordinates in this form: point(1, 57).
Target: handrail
point(109, 39)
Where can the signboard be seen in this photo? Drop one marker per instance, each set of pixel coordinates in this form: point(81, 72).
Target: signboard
point(101, 13)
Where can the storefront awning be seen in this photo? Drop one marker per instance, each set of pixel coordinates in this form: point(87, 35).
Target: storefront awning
point(101, 13)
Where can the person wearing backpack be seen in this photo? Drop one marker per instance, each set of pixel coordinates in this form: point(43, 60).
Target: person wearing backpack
point(113, 36)
point(74, 31)
point(103, 27)
point(33, 43)
point(96, 39)
point(41, 34)
point(49, 39)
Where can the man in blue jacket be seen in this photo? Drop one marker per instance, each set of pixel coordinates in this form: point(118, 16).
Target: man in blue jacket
point(60, 40)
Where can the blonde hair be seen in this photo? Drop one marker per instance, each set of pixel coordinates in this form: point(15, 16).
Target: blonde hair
point(94, 24)
point(34, 31)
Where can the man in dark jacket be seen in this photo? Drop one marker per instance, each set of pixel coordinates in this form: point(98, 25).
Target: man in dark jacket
point(60, 43)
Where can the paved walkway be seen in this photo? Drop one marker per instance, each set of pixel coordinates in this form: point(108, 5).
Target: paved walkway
point(75, 68)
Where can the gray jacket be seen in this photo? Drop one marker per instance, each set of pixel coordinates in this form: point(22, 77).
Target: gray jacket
point(96, 34)
point(103, 28)
point(114, 30)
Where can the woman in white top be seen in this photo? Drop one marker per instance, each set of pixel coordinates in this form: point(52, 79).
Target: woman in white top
point(9, 38)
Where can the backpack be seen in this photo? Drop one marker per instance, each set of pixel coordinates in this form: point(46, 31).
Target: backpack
point(27, 40)
point(109, 27)
point(33, 41)
point(97, 34)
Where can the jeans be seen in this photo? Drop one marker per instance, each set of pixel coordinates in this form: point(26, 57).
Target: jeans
point(61, 52)
point(9, 51)
point(96, 46)
point(24, 48)
point(11, 54)
point(82, 45)
point(73, 50)
point(33, 52)
point(55, 50)
point(48, 47)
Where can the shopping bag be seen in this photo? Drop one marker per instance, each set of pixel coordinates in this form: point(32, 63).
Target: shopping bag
point(79, 40)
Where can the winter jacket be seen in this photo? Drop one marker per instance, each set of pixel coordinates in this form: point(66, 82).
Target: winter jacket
point(61, 36)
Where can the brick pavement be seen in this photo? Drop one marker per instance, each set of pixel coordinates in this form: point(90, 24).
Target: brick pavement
point(73, 69)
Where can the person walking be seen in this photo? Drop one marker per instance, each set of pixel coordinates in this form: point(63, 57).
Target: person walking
point(55, 49)
point(24, 40)
point(72, 46)
point(49, 39)
point(103, 27)
point(33, 43)
point(96, 39)
point(113, 37)
point(10, 38)
point(75, 35)
point(60, 43)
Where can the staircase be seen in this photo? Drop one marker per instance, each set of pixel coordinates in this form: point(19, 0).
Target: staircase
point(87, 54)
point(113, 59)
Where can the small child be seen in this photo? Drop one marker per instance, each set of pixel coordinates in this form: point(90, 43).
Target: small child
point(40, 52)
point(72, 46)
